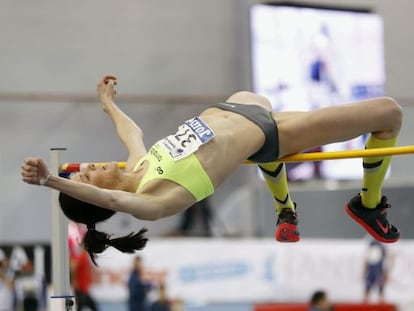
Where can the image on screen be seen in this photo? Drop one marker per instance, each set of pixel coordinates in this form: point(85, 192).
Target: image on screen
point(306, 58)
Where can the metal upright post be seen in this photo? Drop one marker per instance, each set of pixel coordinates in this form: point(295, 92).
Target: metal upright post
point(62, 298)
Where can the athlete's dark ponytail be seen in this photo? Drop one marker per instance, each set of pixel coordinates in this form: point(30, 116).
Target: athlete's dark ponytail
point(95, 241)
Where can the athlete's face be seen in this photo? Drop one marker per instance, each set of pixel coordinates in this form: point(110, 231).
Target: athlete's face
point(103, 176)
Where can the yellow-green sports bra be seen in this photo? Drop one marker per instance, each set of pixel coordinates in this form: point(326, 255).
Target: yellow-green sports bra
point(186, 171)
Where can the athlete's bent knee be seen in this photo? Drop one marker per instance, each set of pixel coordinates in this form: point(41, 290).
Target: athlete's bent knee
point(394, 112)
point(391, 115)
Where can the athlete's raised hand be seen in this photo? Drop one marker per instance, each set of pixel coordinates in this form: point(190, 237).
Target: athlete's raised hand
point(106, 90)
point(34, 171)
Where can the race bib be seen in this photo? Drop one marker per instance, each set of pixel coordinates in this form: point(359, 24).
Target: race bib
point(189, 137)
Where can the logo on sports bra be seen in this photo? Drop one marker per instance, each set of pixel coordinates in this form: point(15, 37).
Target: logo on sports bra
point(156, 154)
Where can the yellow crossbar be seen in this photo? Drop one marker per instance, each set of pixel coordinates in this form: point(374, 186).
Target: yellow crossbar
point(300, 157)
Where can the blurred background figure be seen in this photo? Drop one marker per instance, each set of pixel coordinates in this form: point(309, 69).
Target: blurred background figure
point(81, 270)
point(320, 302)
point(6, 284)
point(27, 284)
point(162, 303)
point(30, 301)
point(189, 219)
point(375, 270)
point(138, 288)
point(81, 279)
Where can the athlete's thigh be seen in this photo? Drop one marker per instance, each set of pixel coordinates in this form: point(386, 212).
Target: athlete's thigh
point(299, 131)
point(291, 129)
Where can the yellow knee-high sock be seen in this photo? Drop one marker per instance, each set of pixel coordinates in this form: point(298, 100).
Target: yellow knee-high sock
point(375, 169)
point(276, 180)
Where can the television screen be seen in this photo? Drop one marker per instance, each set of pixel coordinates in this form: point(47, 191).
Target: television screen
point(307, 57)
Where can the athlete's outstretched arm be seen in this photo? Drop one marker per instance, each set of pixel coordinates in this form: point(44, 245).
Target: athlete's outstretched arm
point(145, 207)
point(128, 131)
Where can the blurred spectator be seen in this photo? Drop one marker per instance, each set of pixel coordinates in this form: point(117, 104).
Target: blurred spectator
point(138, 288)
point(6, 284)
point(30, 289)
point(320, 302)
point(162, 303)
point(81, 278)
point(30, 301)
point(29, 286)
point(375, 270)
point(188, 219)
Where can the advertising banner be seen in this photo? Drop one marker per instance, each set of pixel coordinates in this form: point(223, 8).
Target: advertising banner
point(257, 270)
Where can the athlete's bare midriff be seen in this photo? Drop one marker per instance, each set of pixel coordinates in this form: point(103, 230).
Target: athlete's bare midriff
point(236, 138)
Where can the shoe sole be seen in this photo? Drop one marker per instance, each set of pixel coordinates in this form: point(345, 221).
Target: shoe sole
point(367, 227)
point(283, 231)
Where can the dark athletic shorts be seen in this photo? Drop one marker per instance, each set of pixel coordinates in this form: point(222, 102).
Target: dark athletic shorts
point(263, 119)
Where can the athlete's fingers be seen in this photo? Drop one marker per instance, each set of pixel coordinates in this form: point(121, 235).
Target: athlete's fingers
point(32, 161)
